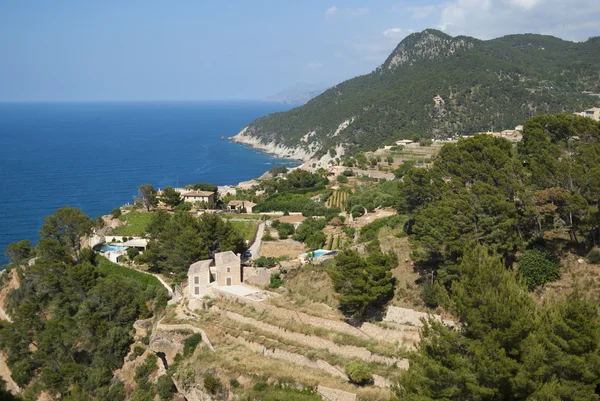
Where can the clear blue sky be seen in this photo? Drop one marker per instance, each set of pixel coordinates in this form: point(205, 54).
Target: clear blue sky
point(200, 49)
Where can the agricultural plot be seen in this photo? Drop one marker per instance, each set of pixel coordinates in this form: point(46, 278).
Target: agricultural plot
point(338, 199)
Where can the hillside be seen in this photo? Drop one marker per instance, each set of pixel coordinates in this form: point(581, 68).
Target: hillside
point(438, 86)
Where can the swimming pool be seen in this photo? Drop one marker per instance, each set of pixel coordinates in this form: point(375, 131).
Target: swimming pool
point(318, 253)
point(112, 248)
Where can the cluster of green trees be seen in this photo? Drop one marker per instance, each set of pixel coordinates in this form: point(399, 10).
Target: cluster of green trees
point(505, 346)
point(370, 231)
point(311, 232)
point(283, 229)
point(363, 284)
point(72, 319)
point(179, 239)
point(543, 195)
point(293, 193)
point(494, 84)
point(372, 196)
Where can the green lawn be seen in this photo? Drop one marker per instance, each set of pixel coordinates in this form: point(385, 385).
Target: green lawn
point(107, 268)
point(239, 216)
point(135, 223)
point(246, 228)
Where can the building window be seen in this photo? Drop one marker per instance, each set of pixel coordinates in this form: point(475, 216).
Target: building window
point(196, 280)
point(229, 270)
point(196, 290)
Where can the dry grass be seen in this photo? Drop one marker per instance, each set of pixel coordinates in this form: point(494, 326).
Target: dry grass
point(234, 360)
point(584, 276)
point(288, 247)
point(408, 292)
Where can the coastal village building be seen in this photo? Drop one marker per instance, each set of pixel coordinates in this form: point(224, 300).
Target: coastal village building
point(241, 206)
point(196, 196)
point(204, 275)
point(593, 113)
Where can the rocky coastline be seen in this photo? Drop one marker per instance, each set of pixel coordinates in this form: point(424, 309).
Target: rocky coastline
point(281, 151)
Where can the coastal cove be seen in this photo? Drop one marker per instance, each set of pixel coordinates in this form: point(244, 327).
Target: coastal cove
point(93, 156)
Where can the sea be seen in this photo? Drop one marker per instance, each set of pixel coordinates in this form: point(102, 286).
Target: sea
point(94, 156)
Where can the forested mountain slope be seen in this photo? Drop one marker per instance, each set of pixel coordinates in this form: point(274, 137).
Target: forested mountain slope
point(482, 85)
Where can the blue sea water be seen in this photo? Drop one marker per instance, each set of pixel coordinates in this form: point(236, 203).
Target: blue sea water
point(93, 156)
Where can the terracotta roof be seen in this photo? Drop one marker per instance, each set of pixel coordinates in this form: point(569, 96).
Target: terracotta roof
point(198, 193)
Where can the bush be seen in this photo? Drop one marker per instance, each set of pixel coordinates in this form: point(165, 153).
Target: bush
point(261, 386)
point(267, 236)
point(132, 253)
point(138, 351)
point(428, 295)
point(165, 387)
point(116, 213)
point(276, 281)
point(342, 179)
point(190, 344)
point(285, 230)
point(537, 268)
point(211, 384)
point(358, 373)
point(142, 372)
point(265, 261)
point(234, 383)
point(357, 211)
point(594, 257)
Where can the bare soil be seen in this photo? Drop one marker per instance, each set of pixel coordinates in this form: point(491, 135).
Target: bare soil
point(287, 247)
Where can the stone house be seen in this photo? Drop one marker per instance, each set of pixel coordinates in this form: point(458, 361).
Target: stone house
point(199, 196)
point(241, 206)
point(204, 275)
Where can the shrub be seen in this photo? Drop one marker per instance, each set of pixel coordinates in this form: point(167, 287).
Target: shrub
point(594, 257)
point(276, 281)
point(190, 344)
point(265, 261)
point(358, 373)
point(357, 211)
point(537, 268)
point(165, 387)
point(132, 253)
point(116, 213)
point(142, 372)
point(137, 351)
point(428, 295)
point(261, 386)
point(234, 383)
point(342, 179)
point(211, 384)
point(285, 230)
point(267, 236)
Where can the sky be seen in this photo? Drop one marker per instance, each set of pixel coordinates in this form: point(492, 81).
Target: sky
point(138, 50)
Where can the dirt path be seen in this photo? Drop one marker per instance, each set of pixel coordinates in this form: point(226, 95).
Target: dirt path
point(255, 247)
point(6, 375)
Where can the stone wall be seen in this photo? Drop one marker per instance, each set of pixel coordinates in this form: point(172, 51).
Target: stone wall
point(347, 351)
point(406, 335)
point(332, 394)
point(411, 317)
point(290, 357)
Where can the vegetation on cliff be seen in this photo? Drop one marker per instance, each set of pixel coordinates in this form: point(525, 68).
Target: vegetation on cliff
point(73, 314)
point(483, 85)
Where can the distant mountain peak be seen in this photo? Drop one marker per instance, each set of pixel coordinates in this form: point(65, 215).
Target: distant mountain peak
point(429, 44)
point(298, 94)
